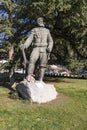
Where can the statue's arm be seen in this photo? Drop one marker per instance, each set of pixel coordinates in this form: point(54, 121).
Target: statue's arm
point(28, 42)
point(50, 41)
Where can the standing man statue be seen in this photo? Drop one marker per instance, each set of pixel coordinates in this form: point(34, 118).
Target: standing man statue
point(42, 46)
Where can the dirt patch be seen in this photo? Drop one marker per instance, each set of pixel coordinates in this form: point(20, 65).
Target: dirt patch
point(7, 102)
point(60, 99)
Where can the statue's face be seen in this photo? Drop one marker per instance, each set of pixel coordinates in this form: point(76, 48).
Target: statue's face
point(40, 21)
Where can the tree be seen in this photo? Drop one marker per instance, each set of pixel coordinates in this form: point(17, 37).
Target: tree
point(65, 18)
point(69, 30)
point(10, 21)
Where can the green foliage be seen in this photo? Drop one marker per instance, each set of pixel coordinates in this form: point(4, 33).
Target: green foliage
point(66, 19)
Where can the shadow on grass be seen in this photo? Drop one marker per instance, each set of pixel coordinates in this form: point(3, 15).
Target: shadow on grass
point(5, 84)
point(4, 79)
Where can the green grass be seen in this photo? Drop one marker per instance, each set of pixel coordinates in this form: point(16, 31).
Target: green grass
point(71, 114)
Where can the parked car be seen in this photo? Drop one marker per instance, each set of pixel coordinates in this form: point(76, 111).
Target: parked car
point(57, 70)
point(83, 74)
point(64, 73)
point(49, 72)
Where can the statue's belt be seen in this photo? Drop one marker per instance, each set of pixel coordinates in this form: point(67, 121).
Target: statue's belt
point(39, 46)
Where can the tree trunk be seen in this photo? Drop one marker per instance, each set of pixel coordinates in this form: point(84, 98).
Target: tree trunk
point(11, 70)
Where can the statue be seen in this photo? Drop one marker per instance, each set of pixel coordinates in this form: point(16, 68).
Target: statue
point(30, 88)
point(42, 42)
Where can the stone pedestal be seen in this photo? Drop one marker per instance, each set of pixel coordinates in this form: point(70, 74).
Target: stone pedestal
point(37, 91)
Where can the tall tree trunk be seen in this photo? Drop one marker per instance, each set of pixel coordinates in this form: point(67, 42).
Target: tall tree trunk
point(11, 70)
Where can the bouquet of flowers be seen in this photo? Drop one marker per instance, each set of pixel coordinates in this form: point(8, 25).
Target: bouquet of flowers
point(30, 78)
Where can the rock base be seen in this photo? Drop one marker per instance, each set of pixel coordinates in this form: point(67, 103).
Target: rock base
point(37, 91)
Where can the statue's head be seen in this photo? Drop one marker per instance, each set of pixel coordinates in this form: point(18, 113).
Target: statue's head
point(40, 21)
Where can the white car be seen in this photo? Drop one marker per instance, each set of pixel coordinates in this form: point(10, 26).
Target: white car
point(64, 73)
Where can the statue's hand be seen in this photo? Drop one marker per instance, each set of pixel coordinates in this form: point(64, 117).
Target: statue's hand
point(22, 46)
point(48, 50)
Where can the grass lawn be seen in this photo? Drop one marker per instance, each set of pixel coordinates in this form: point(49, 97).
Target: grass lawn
point(67, 112)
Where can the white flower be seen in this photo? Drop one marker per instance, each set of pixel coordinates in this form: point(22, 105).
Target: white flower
point(30, 78)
